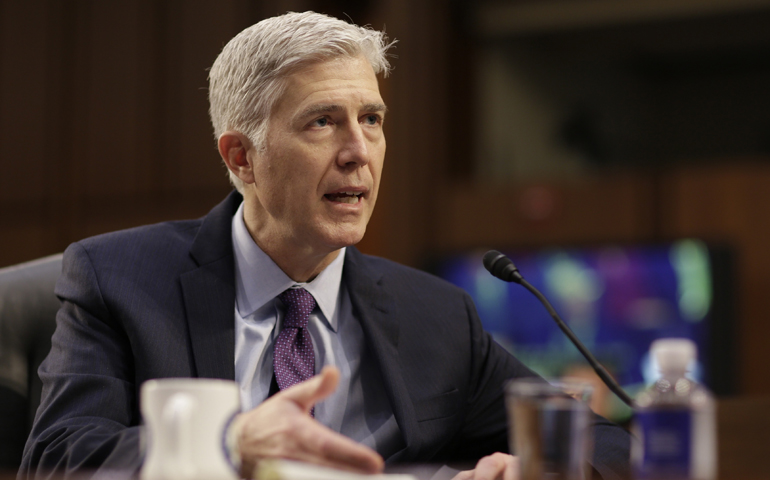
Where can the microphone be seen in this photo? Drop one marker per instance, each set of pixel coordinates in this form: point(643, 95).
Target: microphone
point(503, 268)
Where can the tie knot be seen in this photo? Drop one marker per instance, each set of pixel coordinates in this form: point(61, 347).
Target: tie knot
point(299, 303)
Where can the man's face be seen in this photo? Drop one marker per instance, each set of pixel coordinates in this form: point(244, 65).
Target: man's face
point(316, 182)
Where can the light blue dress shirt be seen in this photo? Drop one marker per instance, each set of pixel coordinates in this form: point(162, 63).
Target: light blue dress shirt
point(337, 340)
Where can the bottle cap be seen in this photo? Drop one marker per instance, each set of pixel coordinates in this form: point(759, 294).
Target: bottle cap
point(673, 354)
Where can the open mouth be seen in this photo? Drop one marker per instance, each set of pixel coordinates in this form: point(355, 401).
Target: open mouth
point(344, 197)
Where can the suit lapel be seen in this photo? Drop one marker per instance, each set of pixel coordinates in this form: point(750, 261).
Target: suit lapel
point(377, 311)
point(209, 293)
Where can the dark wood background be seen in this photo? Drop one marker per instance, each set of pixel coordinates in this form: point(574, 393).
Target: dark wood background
point(103, 125)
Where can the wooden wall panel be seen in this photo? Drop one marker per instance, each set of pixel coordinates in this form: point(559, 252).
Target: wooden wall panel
point(199, 31)
point(23, 73)
point(743, 428)
point(30, 161)
point(103, 116)
point(25, 239)
point(615, 208)
point(729, 204)
point(111, 86)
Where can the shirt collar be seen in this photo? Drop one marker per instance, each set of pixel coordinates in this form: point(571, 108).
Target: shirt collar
point(258, 280)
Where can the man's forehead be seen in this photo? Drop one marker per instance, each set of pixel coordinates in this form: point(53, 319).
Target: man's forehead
point(331, 86)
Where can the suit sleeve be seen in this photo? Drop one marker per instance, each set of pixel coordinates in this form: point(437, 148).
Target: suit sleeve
point(88, 417)
point(484, 429)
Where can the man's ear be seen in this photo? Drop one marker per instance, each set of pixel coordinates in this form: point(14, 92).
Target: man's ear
point(233, 148)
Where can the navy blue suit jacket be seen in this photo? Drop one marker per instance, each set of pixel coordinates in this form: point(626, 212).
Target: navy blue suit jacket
point(158, 301)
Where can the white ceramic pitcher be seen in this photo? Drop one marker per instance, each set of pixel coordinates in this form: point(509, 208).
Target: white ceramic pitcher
point(186, 421)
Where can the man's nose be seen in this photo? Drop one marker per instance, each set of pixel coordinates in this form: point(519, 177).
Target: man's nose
point(355, 147)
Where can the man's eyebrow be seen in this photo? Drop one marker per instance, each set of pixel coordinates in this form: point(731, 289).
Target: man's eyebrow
point(375, 107)
point(318, 109)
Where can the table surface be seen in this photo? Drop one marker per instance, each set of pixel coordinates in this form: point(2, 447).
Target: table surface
point(743, 425)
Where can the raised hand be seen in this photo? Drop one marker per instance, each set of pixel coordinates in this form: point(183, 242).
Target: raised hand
point(281, 427)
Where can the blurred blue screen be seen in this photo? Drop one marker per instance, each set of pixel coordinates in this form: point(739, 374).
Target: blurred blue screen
point(617, 300)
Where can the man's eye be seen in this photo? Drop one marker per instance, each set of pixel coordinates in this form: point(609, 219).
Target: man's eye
point(321, 122)
point(372, 119)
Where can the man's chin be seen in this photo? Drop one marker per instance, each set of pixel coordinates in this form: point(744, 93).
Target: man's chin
point(346, 238)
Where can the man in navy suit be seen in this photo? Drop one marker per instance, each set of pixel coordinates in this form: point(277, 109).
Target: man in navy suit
point(404, 370)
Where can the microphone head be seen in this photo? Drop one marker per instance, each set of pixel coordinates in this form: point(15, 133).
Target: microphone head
point(491, 258)
point(501, 267)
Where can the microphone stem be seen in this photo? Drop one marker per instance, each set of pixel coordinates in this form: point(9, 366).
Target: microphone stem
point(598, 368)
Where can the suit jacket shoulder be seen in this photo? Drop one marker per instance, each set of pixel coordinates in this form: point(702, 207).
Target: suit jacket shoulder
point(148, 302)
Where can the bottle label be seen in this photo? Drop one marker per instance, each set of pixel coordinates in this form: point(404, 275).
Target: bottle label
point(666, 439)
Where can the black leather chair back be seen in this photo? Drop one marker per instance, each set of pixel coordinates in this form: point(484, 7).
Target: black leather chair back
point(27, 320)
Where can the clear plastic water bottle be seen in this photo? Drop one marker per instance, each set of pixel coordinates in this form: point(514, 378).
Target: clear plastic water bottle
point(675, 420)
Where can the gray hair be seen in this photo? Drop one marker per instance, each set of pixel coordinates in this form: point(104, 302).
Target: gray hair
point(248, 77)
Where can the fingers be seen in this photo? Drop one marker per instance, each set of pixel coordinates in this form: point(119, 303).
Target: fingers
point(303, 438)
point(280, 427)
point(309, 392)
point(324, 446)
point(497, 466)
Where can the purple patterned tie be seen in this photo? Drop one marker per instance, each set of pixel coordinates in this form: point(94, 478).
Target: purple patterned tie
point(293, 358)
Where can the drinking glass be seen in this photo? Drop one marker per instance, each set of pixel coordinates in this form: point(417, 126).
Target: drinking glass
point(549, 428)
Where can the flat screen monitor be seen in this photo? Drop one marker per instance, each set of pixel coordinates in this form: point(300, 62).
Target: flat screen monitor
point(617, 299)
